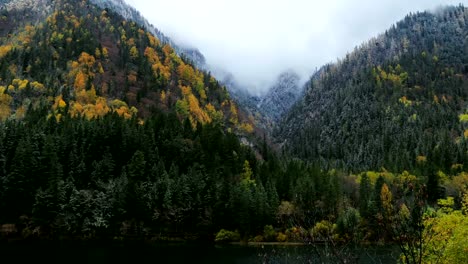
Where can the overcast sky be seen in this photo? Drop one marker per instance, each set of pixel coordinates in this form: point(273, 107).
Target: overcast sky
point(258, 39)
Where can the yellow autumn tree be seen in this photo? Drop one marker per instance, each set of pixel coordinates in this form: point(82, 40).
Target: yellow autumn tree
point(134, 52)
point(5, 101)
point(87, 62)
point(196, 112)
point(80, 82)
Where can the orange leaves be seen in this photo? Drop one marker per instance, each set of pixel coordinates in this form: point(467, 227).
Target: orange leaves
point(89, 105)
point(154, 42)
point(196, 111)
point(121, 108)
point(20, 112)
point(189, 76)
point(59, 103)
point(76, 109)
point(18, 83)
point(246, 127)
point(405, 101)
point(86, 61)
point(161, 70)
point(213, 114)
point(158, 68)
point(101, 107)
point(167, 50)
point(151, 55)
point(134, 52)
point(81, 70)
point(4, 50)
point(80, 82)
point(186, 73)
point(5, 101)
point(58, 108)
point(190, 105)
point(186, 90)
point(163, 96)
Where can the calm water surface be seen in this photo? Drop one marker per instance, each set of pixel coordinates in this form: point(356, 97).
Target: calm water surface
point(106, 252)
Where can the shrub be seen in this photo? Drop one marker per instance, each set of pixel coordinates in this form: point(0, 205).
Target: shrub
point(269, 233)
point(224, 236)
point(296, 234)
point(258, 238)
point(281, 237)
point(323, 231)
point(348, 222)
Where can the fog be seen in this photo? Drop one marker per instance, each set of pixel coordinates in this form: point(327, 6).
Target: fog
point(256, 40)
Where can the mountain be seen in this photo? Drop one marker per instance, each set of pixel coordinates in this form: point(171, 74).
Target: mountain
point(281, 97)
point(98, 62)
point(130, 13)
point(106, 131)
point(398, 102)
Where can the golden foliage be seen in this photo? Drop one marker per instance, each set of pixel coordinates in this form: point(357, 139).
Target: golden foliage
point(162, 70)
point(105, 53)
point(167, 49)
point(87, 61)
point(4, 50)
point(134, 52)
point(421, 159)
point(154, 42)
point(151, 55)
point(405, 101)
point(76, 109)
point(5, 101)
point(122, 109)
point(20, 112)
point(186, 73)
point(186, 90)
point(196, 112)
point(246, 127)
point(213, 114)
point(59, 103)
point(80, 82)
point(234, 118)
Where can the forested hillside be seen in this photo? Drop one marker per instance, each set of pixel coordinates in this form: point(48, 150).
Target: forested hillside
point(398, 102)
point(84, 94)
point(86, 61)
point(106, 132)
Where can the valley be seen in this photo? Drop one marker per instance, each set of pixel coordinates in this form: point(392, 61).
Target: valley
point(112, 131)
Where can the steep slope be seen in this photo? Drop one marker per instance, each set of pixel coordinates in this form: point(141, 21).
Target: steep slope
point(281, 97)
point(91, 61)
point(106, 131)
point(130, 13)
point(398, 102)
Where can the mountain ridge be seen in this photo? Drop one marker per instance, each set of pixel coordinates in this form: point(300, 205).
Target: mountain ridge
point(348, 101)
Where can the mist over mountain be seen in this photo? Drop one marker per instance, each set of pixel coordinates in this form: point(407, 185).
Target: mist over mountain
point(398, 97)
point(258, 40)
point(112, 132)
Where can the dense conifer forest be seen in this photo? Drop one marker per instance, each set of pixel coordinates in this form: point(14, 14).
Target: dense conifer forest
point(107, 131)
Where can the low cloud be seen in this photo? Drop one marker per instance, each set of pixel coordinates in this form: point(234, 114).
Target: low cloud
point(258, 39)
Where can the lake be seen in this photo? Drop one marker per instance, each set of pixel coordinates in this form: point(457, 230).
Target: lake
point(112, 252)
